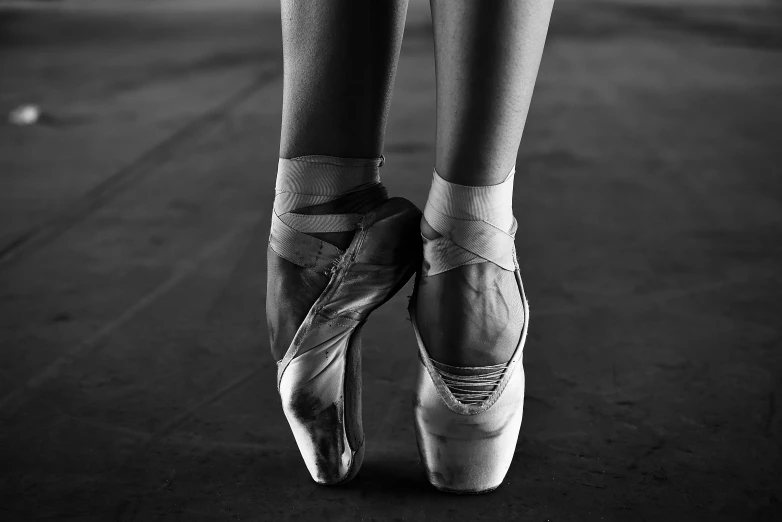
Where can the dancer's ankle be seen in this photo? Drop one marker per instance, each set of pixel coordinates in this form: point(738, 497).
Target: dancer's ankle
point(319, 185)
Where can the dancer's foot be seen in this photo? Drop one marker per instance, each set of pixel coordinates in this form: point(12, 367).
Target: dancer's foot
point(338, 249)
point(471, 315)
point(291, 289)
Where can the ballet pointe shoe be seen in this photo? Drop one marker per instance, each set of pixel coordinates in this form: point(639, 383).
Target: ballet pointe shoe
point(467, 447)
point(467, 419)
point(319, 378)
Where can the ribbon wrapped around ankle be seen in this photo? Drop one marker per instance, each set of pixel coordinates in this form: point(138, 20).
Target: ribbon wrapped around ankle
point(476, 223)
point(313, 180)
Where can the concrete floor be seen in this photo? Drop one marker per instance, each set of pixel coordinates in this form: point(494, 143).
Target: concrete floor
point(135, 375)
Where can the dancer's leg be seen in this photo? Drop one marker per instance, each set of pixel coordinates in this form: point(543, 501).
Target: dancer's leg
point(487, 55)
point(340, 59)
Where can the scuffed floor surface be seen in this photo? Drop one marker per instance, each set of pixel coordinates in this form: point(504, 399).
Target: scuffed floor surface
point(135, 376)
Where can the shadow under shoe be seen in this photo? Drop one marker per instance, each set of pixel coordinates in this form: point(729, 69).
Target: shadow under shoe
point(319, 379)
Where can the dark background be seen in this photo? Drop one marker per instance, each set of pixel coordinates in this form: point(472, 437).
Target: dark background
point(136, 381)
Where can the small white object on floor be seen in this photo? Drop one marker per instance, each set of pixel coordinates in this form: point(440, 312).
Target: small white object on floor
point(25, 115)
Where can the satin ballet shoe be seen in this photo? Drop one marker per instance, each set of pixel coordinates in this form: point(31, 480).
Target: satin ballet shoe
point(467, 420)
point(319, 378)
point(466, 438)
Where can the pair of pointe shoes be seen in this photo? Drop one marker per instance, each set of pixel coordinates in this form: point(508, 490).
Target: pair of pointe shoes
point(466, 438)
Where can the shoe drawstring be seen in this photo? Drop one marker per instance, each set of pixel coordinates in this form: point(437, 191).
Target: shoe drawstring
point(474, 388)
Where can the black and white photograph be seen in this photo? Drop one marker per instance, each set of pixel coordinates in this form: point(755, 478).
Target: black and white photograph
point(391, 260)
